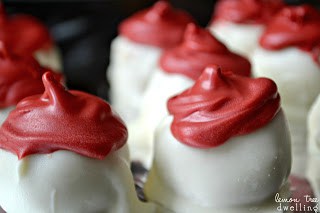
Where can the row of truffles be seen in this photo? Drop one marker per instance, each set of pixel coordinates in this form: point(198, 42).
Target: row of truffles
point(224, 147)
point(282, 43)
point(270, 39)
point(217, 141)
point(178, 68)
point(60, 151)
point(65, 151)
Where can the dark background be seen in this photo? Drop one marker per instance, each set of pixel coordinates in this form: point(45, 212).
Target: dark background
point(83, 31)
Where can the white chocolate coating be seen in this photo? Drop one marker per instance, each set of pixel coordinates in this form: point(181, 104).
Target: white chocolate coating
point(154, 108)
point(313, 175)
point(245, 171)
point(50, 58)
point(297, 77)
point(64, 181)
point(131, 65)
point(314, 129)
point(239, 38)
point(313, 170)
point(4, 113)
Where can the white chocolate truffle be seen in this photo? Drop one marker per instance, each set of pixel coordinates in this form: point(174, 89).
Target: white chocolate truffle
point(135, 53)
point(224, 148)
point(288, 55)
point(39, 184)
point(244, 173)
point(297, 77)
point(65, 151)
point(240, 23)
point(178, 68)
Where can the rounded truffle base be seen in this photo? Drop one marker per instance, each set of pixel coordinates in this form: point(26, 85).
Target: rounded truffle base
point(131, 65)
point(313, 169)
point(267, 206)
point(64, 181)
point(243, 172)
point(239, 38)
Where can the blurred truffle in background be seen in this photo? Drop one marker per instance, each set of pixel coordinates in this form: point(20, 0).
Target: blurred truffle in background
point(83, 30)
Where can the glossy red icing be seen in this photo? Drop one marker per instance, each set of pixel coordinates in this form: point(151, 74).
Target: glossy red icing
point(297, 26)
point(23, 34)
point(160, 25)
point(19, 77)
point(222, 105)
point(246, 11)
point(199, 49)
point(62, 120)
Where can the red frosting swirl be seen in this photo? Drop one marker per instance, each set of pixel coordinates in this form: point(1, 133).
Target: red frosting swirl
point(199, 49)
point(220, 106)
point(247, 11)
point(19, 77)
point(23, 34)
point(160, 25)
point(62, 120)
point(294, 26)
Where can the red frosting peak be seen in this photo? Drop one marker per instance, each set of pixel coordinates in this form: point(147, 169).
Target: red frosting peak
point(199, 49)
point(19, 77)
point(54, 92)
point(62, 120)
point(247, 11)
point(160, 10)
point(297, 26)
point(222, 105)
point(160, 25)
point(23, 34)
point(211, 79)
point(195, 38)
